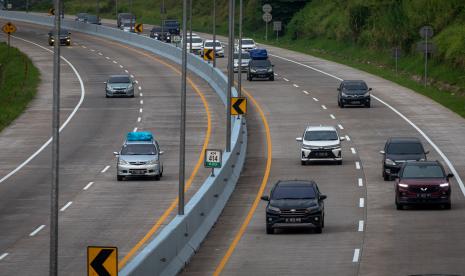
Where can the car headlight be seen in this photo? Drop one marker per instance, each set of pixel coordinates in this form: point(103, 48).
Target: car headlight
point(344, 94)
point(444, 185)
point(153, 162)
point(403, 185)
point(130, 87)
point(312, 209)
point(253, 70)
point(389, 162)
point(109, 88)
point(307, 147)
point(270, 70)
point(274, 209)
point(367, 94)
point(122, 162)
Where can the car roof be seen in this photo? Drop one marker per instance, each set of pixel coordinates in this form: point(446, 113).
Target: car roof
point(352, 81)
point(404, 140)
point(119, 76)
point(296, 183)
point(428, 163)
point(316, 128)
point(210, 40)
point(139, 142)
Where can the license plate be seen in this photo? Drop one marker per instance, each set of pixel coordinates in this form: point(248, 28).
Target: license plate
point(355, 102)
point(138, 172)
point(322, 154)
point(424, 195)
point(293, 220)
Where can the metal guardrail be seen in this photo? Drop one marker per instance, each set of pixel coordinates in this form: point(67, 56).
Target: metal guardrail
point(172, 248)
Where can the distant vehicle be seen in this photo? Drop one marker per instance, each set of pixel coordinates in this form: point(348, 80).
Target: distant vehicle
point(208, 44)
point(81, 17)
point(93, 19)
point(119, 86)
point(245, 58)
point(124, 17)
point(423, 182)
point(139, 156)
point(260, 68)
point(247, 44)
point(127, 26)
point(399, 150)
point(159, 34)
point(295, 203)
point(172, 26)
point(320, 143)
point(64, 36)
point(353, 92)
point(197, 44)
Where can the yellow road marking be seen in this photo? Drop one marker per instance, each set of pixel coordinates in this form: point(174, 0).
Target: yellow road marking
point(246, 222)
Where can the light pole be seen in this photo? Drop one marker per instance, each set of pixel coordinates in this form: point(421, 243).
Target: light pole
point(190, 26)
point(239, 76)
point(182, 140)
point(230, 74)
point(214, 33)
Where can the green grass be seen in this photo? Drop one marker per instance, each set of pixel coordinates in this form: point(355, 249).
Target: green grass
point(19, 80)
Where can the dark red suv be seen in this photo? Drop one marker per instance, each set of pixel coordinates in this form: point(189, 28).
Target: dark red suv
point(423, 182)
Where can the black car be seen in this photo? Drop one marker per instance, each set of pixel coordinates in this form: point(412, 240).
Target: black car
point(93, 19)
point(64, 36)
point(159, 33)
point(399, 150)
point(295, 203)
point(353, 92)
point(171, 26)
point(260, 68)
point(81, 17)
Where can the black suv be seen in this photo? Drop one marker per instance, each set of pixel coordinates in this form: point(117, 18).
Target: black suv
point(260, 68)
point(159, 34)
point(399, 150)
point(353, 92)
point(64, 37)
point(295, 203)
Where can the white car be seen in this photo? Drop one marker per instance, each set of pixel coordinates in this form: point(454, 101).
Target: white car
point(320, 143)
point(197, 44)
point(247, 44)
point(244, 61)
point(219, 49)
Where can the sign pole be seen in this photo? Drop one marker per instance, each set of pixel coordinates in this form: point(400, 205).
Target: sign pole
point(214, 33)
point(230, 75)
point(190, 26)
point(239, 76)
point(266, 31)
point(55, 146)
point(182, 140)
point(8, 51)
point(426, 57)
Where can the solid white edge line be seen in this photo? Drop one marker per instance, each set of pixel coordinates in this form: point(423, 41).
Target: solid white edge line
point(340, 126)
point(88, 185)
point(135, 129)
point(361, 203)
point(33, 233)
point(105, 169)
point(356, 255)
point(439, 151)
point(324, 107)
point(3, 256)
point(83, 93)
point(360, 182)
point(360, 225)
point(332, 116)
point(66, 206)
point(353, 150)
point(357, 165)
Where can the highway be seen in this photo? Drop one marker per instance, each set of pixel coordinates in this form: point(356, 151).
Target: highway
point(364, 234)
point(95, 209)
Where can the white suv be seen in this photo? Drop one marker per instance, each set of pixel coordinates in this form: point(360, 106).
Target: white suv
point(321, 143)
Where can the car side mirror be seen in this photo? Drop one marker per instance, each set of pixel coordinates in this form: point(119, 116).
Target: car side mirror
point(382, 152)
point(265, 198)
point(323, 197)
point(450, 175)
point(369, 89)
point(115, 153)
point(427, 152)
point(338, 89)
point(299, 139)
point(161, 152)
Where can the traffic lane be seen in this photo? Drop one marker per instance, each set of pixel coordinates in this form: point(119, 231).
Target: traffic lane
point(288, 112)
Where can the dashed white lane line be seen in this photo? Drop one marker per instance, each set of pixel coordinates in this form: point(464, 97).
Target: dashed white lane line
point(100, 54)
point(275, 74)
point(92, 50)
point(33, 233)
point(132, 76)
point(357, 165)
point(141, 94)
point(105, 169)
point(107, 57)
point(361, 203)
point(135, 129)
point(127, 72)
point(121, 66)
point(324, 107)
point(140, 110)
point(332, 116)
point(315, 99)
point(66, 206)
point(140, 88)
point(285, 79)
point(3, 256)
point(353, 150)
point(139, 119)
point(88, 185)
point(137, 81)
point(340, 126)
point(347, 138)
point(84, 47)
point(115, 62)
point(305, 92)
point(356, 255)
point(360, 182)
point(295, 85)
point(141, 101)
point(360, 225)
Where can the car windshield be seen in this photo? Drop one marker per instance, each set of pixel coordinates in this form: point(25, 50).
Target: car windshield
point(293, 192)
point(261, 63)
point(423, 171)
point(195, 40)
point(405, 148)
point(244, 56)
point(139, 149)
point(119, 80)
point(247, 41)
point(92, 18)
point(355, 88)
point(210, 44)
point(321, 135)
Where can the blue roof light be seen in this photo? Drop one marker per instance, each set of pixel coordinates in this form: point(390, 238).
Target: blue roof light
point(139, 136)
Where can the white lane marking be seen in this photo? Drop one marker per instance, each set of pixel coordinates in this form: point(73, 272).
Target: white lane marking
point(140, 88)
point(332, 116)
point(3, 256)
point(347, 138)
point(360, 225)
point(137, 81)
point(315, 99)
point(132, 76)
point(66, 206)
point(100, 54)
point(324, 107)
point(141, 101)
point(285, 79)
point(340, 126)
point(357, 165)
point(92, 50)
point(141, 94)
point(84, 47)
point(121, 66)
point(33, 233)
point(361, 203)
point(305, 92)
point(83, 93)
point(135, 129)
point(127, 72)
point(353, 150)
point(105, 169)
point(115, 62)
point(360, 182)
point(88, 185)
point(107, 57)
point(275, 74)
point(140, 110)
point(139, 119)
point(356, 255)
point(295, 85)
point(438, 150)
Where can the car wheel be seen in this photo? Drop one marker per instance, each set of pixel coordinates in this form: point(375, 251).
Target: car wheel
point(157, 177)
point(386, 177)
point(303, 163)
point(447, 206)
point(272, 78)
point(399, 206)
point(339, 162)
point(323, 222)
point(339, 103)
point(342, 105)
point(368, 105)
point(319, 230)
point(119, 177)
point(269, 230)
